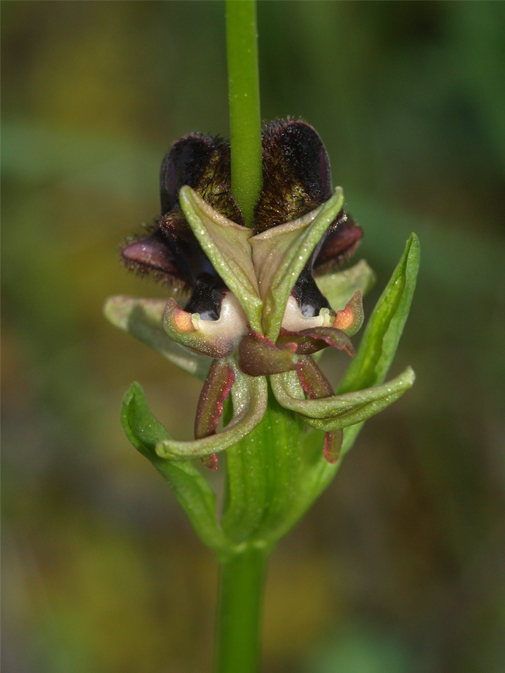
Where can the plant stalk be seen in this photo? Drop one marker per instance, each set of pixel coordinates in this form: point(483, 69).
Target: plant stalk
point(244, 101)
point(239, 612)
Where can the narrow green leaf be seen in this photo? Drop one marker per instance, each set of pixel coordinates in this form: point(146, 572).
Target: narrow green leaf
point(227, 245)
point(190, 488)
point(382, 334)
point(339, 287)
point(280, 253)
point(143, 319)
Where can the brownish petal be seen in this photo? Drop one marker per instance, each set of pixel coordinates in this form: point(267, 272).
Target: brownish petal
point(312, 379)
point(316, 338)
point(316, 386)
point(259, 356)
point(215, 391)
point(332, 445)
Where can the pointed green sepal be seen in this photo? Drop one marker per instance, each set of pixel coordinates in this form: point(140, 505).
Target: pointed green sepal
point(280, 253)
point(227, 245)
point(143, 319)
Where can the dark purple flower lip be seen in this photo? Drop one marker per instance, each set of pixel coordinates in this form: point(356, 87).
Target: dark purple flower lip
point(296, 180)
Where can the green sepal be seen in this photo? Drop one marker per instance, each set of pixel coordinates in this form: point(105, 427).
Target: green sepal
point(143, 319)
point(338, 287)
point(339, 411)
point(227, 245)
point(249, 396)
point(190, 488)
point(280, 253)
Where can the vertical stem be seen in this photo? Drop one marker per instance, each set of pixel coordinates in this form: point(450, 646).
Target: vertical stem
point(239, 612)
point(244, 100)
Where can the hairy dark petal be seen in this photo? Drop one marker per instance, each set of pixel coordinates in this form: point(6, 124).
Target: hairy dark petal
point(203, 163)
point(152, 255)
point(296, 173)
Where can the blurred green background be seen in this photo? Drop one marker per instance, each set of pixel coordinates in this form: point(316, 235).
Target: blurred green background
point(400, 567)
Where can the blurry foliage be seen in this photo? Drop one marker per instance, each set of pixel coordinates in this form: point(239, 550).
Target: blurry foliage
point(399, 567)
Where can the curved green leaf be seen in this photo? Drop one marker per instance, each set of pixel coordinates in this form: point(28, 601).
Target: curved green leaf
point(385, 326)
point(190, 488)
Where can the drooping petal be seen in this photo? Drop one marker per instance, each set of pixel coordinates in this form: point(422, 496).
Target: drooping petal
point(227, 245)
point(249, 396)
point(332, 445)
point(280, 254)
point(258, 356)
point(209, 410)
point(310, 341)
point(143, 319)
point(312, 379)
point(345, 409)
point(316, 386)
point(215, 338)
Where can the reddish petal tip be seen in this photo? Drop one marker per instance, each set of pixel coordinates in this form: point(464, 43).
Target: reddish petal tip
point(332, 445)
point(210, 462)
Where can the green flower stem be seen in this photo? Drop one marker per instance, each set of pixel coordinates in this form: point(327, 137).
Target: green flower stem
point(244, 100)
point(239, 611)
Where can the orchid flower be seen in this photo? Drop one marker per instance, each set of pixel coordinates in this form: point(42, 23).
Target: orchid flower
point(264, 301)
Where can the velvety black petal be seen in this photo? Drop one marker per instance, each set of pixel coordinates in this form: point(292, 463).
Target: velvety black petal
point(203, 163)
point(296, 173)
